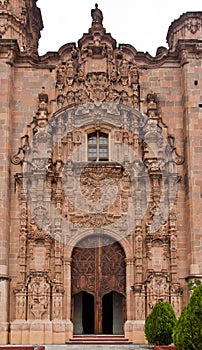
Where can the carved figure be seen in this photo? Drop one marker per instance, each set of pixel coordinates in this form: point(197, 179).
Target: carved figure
point(152, 100)
point(20, 306)
point(124, 68)
point(38, 291)
point(43, 96)
point(97, 16)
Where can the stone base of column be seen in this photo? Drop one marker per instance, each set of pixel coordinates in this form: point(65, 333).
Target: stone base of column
point(40, 332)
point(4, 331)
point(134, 331)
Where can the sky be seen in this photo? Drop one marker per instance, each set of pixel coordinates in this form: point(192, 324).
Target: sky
point(143, 24)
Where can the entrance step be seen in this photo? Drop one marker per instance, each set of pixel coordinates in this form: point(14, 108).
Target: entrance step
point(103, 339)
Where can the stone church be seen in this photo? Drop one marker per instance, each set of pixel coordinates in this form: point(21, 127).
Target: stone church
point(101, 178)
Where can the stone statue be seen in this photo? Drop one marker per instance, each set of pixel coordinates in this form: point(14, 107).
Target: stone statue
point(97, 16)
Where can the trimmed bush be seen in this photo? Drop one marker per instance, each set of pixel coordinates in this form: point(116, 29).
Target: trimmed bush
point(160, 323)
point(187, 334)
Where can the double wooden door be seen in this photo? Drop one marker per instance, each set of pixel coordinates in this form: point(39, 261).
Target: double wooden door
point(98, 282)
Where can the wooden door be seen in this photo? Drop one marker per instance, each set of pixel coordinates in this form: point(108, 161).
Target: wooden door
point(98, 268)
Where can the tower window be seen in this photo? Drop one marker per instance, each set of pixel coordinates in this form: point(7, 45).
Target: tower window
point(98, 146)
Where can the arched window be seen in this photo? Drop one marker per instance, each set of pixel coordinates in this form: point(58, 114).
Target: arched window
point(98, 146)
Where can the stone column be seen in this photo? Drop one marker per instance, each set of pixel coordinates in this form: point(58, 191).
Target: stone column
point(67, 296)
point(129, 293)
point(128, 327)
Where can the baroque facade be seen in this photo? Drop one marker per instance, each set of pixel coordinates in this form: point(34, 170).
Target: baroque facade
point(100, 178)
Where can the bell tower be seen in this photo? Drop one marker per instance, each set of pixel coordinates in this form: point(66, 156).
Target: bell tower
point(21, 20)
point(20, 26)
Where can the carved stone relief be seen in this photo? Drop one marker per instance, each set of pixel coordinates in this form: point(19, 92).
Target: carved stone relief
point(57, 171)
point(157, 289)
point(97, 88)
point(97, 71)
point(4, 4)
point(20, 305)
point(194, 25)
point(38, 297)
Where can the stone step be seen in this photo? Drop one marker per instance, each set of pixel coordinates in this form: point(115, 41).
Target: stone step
point(103, 339)
point(100, 347)
point(22, 347)
point(99, 336)
point(97, 342)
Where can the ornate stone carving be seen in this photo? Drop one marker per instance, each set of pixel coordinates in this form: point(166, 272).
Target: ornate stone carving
point(20, 304)
point(43, 101)
point(158, 130)
point(175, 297)
point(96, 86)
point(97, 71)
point(57, 306)
point(157, 289)
point(4, 4)
point(62, 195)
point(98, 186)
point(38, 296)
point(19, 157)
point(138, 255)
point(194, 25)
point(139, 306)
point(3, 27)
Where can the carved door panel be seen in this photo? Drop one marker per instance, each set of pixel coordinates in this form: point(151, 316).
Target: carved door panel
point(98, 268)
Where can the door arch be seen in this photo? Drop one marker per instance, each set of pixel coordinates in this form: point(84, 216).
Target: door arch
point(98, 269)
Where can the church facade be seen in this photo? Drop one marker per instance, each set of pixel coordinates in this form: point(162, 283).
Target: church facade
point(101, 178)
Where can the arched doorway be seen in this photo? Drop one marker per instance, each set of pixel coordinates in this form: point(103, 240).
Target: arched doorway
point(98, 286)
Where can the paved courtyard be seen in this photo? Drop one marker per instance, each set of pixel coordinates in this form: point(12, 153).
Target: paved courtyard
point(98, 347)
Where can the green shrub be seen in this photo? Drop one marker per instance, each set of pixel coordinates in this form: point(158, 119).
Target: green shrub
point(160, 323)
point(181, 332)
point(187, 334)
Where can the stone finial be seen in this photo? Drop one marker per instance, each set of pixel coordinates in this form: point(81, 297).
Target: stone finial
point(97, 16)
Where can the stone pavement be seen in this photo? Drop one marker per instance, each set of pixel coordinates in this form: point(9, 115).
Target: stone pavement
point(99, 347)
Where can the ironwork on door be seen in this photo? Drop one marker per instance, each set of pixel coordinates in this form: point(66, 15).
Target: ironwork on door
point(98, 278)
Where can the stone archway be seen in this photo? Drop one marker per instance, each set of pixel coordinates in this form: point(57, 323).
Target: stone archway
point(98, 278)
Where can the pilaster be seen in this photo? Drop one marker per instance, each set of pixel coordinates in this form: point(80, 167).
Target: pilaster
point(190, 55)
point(6, 84)
point(185, 38)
